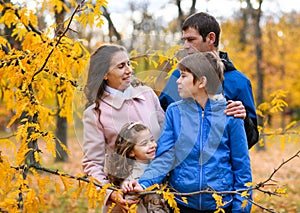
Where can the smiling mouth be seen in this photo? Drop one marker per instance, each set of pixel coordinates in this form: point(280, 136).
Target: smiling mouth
point(127, 79)
point(151, 152)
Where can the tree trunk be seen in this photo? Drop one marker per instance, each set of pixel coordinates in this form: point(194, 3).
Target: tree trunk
point(61, 135)
point(61, 122)
point(111, 27)
point(256, 14)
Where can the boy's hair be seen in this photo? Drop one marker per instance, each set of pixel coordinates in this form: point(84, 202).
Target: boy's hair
point(119, 165)
point(206, 64)
point(204, 23)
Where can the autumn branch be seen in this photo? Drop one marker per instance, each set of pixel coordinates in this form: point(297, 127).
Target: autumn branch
point(258, 186)
point(59, 38)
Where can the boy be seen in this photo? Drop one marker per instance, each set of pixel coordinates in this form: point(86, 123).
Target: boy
point(200, 147)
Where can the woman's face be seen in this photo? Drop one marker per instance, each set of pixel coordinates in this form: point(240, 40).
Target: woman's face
point(119, 74)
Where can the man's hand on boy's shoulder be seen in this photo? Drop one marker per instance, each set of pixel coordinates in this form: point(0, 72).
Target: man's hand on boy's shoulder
point(236, 109)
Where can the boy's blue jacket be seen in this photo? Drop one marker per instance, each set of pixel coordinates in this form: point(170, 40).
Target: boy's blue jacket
point(202, 149)
point(236, 87)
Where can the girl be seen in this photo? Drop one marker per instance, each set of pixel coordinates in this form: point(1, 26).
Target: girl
point(135, 147)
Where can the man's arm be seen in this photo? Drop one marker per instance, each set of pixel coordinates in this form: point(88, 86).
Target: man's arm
point(170, 93)
point(237, 109)
point(251, 130)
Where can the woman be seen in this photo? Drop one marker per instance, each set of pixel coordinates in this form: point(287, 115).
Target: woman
point(113, 102)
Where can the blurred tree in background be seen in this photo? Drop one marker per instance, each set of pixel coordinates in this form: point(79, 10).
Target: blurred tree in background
point(44, 52)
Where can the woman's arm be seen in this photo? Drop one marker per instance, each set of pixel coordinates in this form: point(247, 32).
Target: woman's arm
point(93, 147)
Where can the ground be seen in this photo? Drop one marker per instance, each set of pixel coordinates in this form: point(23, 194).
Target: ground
point(263, 164)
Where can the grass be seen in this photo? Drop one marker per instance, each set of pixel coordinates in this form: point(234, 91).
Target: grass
point(288, 176)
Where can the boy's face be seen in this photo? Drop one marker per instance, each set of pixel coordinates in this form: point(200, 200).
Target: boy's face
point(186, 86)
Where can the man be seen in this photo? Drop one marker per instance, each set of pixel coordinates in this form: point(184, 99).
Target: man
point(201, 32)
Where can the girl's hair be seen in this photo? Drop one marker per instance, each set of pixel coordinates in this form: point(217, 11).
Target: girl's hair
point(207, 64)
point(120, 164)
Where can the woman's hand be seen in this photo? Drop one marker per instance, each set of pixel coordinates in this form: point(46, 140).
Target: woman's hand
point(236, 109)
point(117, 197)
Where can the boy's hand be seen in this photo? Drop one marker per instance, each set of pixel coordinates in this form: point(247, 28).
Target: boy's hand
point(236, 109)
point(131, 186)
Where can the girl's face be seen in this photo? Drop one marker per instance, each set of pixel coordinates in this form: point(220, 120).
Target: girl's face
point(145, 147)
point(119, 74)
point(186, 86)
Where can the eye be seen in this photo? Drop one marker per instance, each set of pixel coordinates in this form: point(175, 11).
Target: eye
point(122, 65)
point(143, 143)
point(188, 39)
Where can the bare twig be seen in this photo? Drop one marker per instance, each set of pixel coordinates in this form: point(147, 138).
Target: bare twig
point(262, 207)
point(8, 137)
point(280, 166)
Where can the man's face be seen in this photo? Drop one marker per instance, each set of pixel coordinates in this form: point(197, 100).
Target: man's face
point(193, 41)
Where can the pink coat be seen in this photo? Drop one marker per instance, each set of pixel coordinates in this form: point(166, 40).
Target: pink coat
point(99, 137)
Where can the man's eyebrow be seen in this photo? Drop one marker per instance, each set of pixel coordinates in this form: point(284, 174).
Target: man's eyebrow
point(188, 37)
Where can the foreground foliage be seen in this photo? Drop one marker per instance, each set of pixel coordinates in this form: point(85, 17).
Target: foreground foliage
point(47, 68)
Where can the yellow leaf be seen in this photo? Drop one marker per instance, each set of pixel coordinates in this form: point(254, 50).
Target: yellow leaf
point(249, 184)
point(111, 207)
point(36, 156)
point(57, 189)
point(282, 142)
point(219, 210)
point(150, 188)
point(244, 203)
point(281, 190)
point(184, 199)
point(133, 208)
point(290, 125)
point(244, 194)
point(261, 142)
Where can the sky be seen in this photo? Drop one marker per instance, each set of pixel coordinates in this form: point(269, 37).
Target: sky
point(218, 8)
point(165, 11)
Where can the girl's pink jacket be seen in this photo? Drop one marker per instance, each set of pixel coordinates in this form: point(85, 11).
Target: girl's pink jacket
point(100, 135)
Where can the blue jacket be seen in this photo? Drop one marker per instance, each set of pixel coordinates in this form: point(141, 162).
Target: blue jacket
point(236, 87)
point(201, 149)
